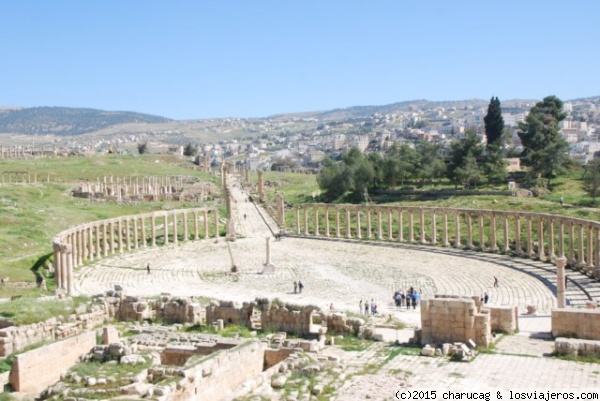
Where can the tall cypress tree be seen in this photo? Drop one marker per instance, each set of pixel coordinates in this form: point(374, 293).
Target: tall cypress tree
point(545, 150)
point(494, 124)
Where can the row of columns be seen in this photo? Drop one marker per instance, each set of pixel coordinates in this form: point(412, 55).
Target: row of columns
point(526, 234)
point(105, 238)
point(21, 152)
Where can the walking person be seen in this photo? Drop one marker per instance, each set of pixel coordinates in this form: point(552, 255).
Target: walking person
point(295, 287)
point(148, 268)
point(360, 307)
point(300, 286)
point(366, 307)
point(496, 283)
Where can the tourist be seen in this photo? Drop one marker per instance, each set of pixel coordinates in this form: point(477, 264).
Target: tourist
point(413, 297)
point(496, 283)
point(366, 306)
point(295, 287)
point(331, 307)
point(486, 298)
point(300, 286)
point(148, 268)
point(360, 307)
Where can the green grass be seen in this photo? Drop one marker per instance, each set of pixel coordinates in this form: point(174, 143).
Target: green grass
point(232, 330)
point(32, 214)
point(26, 310)
point(351, 343)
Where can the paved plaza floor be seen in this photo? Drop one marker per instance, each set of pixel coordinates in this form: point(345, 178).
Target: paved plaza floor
point(343, 272)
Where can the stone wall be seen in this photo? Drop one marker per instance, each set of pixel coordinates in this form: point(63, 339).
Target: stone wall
point(15, 338)
point(35, 370)
point(577, 347)
point(230, 312)
point(504, 319)
point(579, 323)
point(449, 320)
point(213, 378)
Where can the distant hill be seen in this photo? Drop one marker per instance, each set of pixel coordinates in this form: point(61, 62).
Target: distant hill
point(67, 121)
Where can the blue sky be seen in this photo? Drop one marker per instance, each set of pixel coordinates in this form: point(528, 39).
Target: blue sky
point(207, 59)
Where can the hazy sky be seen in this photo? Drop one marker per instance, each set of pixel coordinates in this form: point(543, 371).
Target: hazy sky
point(250, 58)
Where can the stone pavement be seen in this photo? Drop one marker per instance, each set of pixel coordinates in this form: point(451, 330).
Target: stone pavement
point(343, 272)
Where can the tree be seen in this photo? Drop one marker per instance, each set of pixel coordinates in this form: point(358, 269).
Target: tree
point(142, 147)
point(545, 150)
point(591, 179)
point(190, 150)
point(333, 179)
point(494, 124)
point(429, 164)
point(463, 168)
point(398, 165)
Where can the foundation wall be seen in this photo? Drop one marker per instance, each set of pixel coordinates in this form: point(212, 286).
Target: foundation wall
point(213, 378)
point(449, 320)
point(35, 370)
point(580, 323)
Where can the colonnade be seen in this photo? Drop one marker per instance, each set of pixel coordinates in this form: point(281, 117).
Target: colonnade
point(104, 238)
point(531, 235)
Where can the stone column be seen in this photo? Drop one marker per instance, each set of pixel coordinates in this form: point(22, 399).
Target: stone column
point(305, 210)
point(589, 257)
point(175, 232)
point(327, 234)
point(104, 240)
point(57, 264)
point(433, 229)
point(261, 193)
point(136, 238)
point(411, 233)
point(379, 228)
point(469, 231)
point(541, 250)
point(112, 237)
point(153, 229)
point(185, 227)
point(390, 225)
point(445, 241)
point(580, 258)
point(143, 233)
point(196, 226)
point(206, 231)
point(337, 222)
point(400, 226)
point(127, 234)
point(506, 240)
point(280, 211)
point(217, 235)
point(63, 266)
point(97, 238)
point(69, 275)
point(457, 243)
point(369, 234)
point(166, 228)
point(120, 234)
point(298, 220)
point(493, 242)
point(597, 249)
point(571, 251)
point(560, 282)
point(316, 210)
point(518, 249)
point(551, 253)
point(79, 244)
point(481, 233)
point(358, 228)
point(85, 242)
point(530, 252)
point(348, 224)
point(268, 262)
point(422, 222)
point(561, 239)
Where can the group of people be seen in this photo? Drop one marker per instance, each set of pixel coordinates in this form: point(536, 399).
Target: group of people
point(369, 308)
point(298, 287)
point(409, 298)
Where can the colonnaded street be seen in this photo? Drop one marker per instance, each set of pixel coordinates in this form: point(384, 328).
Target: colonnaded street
point(343, 272)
